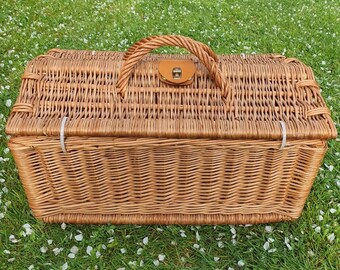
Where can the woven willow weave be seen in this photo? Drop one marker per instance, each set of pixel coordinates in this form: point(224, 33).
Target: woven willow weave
point(139, 150)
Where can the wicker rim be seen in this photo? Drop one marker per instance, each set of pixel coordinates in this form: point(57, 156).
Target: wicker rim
point(171, 40)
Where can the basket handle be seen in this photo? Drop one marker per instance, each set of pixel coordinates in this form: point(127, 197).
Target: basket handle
point(143, 41)
point(171, 40)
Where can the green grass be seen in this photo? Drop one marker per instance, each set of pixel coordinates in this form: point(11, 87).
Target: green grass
point(308, 30)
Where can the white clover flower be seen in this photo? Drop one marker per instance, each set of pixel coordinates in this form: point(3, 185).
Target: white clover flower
point(63, 226)
point(74, 250)
point(28, 229)
point(161, 257)
point(216, 259)
point(266, 246)
point(182, 233)
point(197, 246)
point(287, 243)
point(198, 237)
point(122, 250)
point(98, 254)
point(49, 241)
point(156, 262)
point(240, 263)
point(8, 103)
point(332, 210)
point(268, 229)
point(64, 266)
point(57, 251)
point(79, 237)
point(310, 253)
point(89, 250)
point(132, 263)
point(220, 244)
point(139, 251)
point(43, 249)
point(145, 240)
point(71, 255)
point(13, 239)
point(331, 237)
point(329, 167)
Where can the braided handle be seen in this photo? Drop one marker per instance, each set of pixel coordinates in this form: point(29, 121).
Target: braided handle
point(143, 41)
point(171, 40)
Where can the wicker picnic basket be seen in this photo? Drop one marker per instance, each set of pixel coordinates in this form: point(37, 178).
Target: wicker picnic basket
point(111, 137)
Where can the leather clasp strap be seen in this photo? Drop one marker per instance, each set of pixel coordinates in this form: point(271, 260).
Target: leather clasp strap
point(177, 72)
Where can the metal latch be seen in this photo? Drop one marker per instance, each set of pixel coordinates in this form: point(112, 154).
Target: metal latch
point(176, 73)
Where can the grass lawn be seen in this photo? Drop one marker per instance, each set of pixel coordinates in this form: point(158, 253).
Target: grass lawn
point(308, 30)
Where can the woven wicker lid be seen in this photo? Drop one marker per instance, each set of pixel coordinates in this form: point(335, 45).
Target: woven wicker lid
point(117, 94)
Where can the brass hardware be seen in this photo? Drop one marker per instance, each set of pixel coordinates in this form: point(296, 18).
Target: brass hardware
point(176, 72)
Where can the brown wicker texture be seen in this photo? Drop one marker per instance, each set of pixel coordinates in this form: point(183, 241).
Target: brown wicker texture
point(141, 151)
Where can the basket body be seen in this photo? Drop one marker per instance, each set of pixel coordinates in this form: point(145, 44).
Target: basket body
point(141, 151)
point(165, 181)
